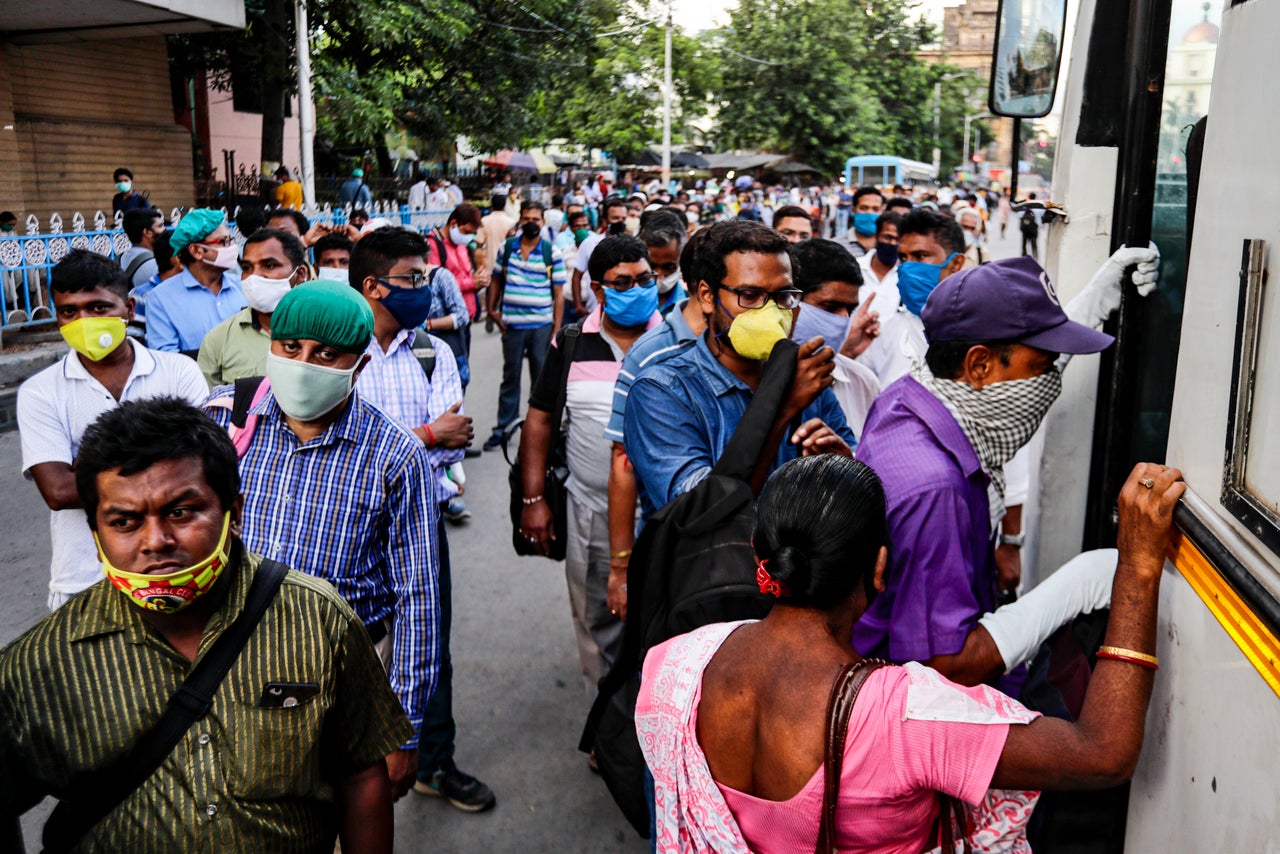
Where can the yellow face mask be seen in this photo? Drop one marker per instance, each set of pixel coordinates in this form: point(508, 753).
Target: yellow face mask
point(170, 593)
point(95, 338)
point(753, 333)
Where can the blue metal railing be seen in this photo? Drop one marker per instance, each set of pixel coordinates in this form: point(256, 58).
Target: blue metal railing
point(26, 260)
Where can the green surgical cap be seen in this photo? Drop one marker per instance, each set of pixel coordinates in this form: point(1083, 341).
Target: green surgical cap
point(357, 172)
point(329, 312)
point(194, 227)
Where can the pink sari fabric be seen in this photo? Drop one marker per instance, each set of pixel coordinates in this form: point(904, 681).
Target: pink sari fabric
point(913, 733)
point(692, 815)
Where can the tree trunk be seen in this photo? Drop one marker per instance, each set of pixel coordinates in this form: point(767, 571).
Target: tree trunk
point(277, 41)
point(384, 159)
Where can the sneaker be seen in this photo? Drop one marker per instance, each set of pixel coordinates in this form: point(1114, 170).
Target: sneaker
point(455, 510)
point(461, 790)
point(493, 443)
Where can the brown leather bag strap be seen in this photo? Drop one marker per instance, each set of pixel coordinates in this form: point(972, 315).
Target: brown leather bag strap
point(844, 693)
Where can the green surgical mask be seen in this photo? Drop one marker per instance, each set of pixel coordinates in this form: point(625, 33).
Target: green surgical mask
point(306, 391)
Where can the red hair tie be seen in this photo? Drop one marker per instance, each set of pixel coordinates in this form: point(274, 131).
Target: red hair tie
point(768, 584)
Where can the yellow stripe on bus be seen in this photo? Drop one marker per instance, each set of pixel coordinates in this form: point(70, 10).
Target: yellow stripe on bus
point(1255, 640)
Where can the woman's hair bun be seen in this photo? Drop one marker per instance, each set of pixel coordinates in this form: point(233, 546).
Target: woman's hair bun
point(791, 566)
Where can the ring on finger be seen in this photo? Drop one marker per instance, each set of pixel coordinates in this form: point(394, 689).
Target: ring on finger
point(1149, 482)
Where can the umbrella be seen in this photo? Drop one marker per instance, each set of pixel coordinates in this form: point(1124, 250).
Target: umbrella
point(516, 161)
point(688, 160)
point(544, 164)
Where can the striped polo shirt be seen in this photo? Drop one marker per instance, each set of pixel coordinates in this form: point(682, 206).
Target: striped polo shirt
point(597, 359)
point(527, 298)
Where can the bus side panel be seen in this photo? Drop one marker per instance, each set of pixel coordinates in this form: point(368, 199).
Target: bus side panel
point(1206, 780)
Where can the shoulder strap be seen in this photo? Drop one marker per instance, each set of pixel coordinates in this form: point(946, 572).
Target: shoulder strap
point(143, 257)
point(439, 242)
point(844, 693)
point(740, 455)
point(570, 344)
point(100, 792)
point(548, 258)
point(242, 400)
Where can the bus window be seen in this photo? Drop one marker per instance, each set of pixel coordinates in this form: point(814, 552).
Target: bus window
point(1193, 41)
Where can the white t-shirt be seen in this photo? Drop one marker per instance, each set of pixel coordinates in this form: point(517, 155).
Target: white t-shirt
point(580, 263)
point(56, 406)
point(887, 288)
point(418, 196)
point(856, 388)
point(901, 339)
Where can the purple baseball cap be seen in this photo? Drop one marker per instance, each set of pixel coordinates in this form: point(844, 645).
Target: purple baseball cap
point(1009, 300)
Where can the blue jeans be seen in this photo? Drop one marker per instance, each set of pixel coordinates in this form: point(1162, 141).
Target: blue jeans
point(519, 344)
point(435, 740)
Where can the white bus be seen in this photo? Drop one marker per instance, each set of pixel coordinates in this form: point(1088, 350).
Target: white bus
point(1193, 380)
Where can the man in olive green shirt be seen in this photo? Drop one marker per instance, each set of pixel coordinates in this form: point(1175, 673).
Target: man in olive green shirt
point(271, 262)
point(291, 753)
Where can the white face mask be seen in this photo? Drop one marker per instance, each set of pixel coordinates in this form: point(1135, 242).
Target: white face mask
point(459, 237)
point(665, 285)
point(333, 274)
point(264, 294)
point(224, 258)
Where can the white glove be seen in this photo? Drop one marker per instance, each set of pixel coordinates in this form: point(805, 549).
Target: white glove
point(1081, 585)
point(1101, 296)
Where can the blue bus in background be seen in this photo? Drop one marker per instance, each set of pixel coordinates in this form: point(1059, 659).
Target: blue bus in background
point(886, 170)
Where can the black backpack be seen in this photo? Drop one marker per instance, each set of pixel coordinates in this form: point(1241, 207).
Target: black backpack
point(691, 566)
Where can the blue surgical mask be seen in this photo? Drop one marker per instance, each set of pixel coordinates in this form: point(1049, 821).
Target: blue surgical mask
point(814, 322)
point(864, 224)
point(632, 307)
point(916, 280)
point(409, 306)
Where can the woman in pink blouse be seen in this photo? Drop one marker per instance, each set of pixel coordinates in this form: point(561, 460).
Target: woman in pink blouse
point(732, 717)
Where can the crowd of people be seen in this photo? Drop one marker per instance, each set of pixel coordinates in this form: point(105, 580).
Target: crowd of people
point(261, 443)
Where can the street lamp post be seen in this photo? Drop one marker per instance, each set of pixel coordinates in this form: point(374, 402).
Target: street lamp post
point(306, 106)
point(967, 120)
point(937, 122)
point(666, 108)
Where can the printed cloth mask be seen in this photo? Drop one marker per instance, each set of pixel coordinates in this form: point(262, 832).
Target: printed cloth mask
point(459, 237)
point(997, 419)
point(264, 294)
point(333, 274)
point(124, 186)
point(864, 224)
point(409, 306)
point(530, 230)
point(814, 322)
point(754, 332)
point(173, 591)
point(95, 338)
point(226, 256)
point(305, 391)
point(632, 307)
point(887, 253)
point(916, 280)
point(665, 285)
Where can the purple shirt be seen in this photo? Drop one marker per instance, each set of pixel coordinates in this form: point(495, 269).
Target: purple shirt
point(941, 575)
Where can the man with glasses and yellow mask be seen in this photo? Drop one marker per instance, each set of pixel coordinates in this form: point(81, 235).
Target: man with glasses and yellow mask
point(105, 368)
point(681, 413)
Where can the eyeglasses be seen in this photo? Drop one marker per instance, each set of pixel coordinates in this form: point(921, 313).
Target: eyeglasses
point(225, 241)
point(416, 280)
point(786, 299)
point(626, 283)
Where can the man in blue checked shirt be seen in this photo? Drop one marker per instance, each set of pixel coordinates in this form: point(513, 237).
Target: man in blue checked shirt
point(337, 489)
point(389, 268)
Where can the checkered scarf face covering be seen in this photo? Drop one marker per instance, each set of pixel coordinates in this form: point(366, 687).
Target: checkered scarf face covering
point(998, 419)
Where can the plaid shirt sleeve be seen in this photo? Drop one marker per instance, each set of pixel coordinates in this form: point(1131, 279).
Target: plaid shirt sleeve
point(446, 390)
point(412, 517)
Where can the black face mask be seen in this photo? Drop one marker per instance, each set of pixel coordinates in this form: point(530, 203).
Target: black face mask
point(530, 230)
point(618, 228)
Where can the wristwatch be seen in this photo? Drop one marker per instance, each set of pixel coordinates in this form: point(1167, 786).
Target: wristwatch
point(1015, 540)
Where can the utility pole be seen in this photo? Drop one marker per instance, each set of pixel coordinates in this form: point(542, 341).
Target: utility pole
point(937, 123)
point(666, 108)
point(306, 106)
point(967, 120)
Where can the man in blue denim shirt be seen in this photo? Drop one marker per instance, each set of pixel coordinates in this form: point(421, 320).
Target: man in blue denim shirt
point(681, 413)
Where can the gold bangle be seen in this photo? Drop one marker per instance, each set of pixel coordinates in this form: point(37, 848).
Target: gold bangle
point(625, 553)
point(1119, 653)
